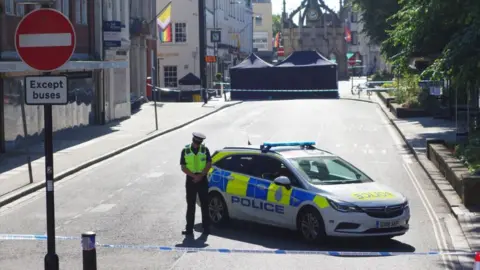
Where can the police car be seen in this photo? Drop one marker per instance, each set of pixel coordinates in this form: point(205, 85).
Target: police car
point(297, 186)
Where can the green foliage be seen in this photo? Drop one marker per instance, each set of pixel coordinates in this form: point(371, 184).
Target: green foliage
point(469, 153)
point(381, 76)
point(218, 76)
point(389, 85)
point(374, 17)
point(276, 24)
point(408, 93)
point(445, 31)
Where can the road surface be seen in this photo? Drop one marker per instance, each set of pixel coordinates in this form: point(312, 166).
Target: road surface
point(138, 197)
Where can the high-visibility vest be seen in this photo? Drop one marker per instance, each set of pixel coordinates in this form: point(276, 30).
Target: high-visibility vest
point(195, 163)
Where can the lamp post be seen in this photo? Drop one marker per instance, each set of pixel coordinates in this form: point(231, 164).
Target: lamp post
point(202, 47)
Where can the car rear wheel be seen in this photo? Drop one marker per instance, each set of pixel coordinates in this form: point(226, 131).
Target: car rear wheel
point(311, 227)
point(217, 209)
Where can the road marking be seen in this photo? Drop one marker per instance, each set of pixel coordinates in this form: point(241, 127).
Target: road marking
point(102, 208)
point(438, 232)
point(437, 229)
point(67, 222)
point(154, 175)
point(77, 216)
point(129, 184)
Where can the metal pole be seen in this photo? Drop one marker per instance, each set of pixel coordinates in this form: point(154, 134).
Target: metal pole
point(215, 52)
point(51, 259)
point(202, 47)
point(154, 88)
point(89, 252)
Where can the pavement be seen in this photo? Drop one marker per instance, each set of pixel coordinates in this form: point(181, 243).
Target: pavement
point(83, 147)
point(137, 198)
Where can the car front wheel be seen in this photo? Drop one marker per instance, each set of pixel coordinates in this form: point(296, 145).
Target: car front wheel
point(217, 209)
point(311, 227)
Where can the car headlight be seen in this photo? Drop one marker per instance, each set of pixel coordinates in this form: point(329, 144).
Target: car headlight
point(343, 206)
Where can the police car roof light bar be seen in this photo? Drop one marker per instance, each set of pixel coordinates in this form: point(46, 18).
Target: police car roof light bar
point(267, 145)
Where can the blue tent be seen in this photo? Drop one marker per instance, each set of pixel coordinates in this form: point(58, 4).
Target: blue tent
point(251, 73)
point(304, 70)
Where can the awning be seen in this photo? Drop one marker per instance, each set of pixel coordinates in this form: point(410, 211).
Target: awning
point(350, 55)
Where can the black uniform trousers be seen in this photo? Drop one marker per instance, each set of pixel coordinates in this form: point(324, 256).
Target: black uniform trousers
point(200, 188)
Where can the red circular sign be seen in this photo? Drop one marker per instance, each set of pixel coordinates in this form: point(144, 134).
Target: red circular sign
point(45, 39)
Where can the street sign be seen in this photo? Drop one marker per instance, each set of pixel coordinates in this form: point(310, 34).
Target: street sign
point(45, 39)
point(215, 36)
point(112, 34)
point(46, 90)
point(210, 59)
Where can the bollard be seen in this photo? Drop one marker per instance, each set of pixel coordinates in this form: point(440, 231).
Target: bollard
point(89, 251)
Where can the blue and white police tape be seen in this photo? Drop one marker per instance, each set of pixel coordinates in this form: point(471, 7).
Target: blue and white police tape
point(35, 237)
point(284, 90)
point(243, 251)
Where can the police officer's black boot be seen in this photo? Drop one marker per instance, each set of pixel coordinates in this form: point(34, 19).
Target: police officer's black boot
point(187, 232)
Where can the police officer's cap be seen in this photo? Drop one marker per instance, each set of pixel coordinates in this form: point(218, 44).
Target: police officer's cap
point(198, 136)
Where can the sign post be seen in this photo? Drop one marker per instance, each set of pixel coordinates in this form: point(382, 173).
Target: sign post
point(45, 41)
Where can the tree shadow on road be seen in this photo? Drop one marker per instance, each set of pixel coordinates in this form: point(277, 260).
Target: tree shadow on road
point(282, 239)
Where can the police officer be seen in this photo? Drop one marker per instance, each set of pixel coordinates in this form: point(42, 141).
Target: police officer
point(196, 162)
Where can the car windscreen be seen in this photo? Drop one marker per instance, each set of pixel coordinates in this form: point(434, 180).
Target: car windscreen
point(328, 170)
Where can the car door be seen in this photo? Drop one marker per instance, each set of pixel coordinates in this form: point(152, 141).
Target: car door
point(235, 172)
point(274, 200)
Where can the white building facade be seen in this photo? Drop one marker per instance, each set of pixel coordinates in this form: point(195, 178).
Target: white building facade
point(360, 48)
point(181, 56)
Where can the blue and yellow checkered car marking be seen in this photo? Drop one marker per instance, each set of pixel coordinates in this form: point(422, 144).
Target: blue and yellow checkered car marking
point(249, 187)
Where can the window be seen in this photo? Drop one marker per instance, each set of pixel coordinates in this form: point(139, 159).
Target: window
point(20, 10)
point(84, 12)
point(64, 7)
point(327, 170)
point(243, 164)
point(81, 11)
point(258, 21)
point(354, 38)
point(170, 76)
point(270, 168)
point(9, 7)
point(260, 41)
point(180, 32)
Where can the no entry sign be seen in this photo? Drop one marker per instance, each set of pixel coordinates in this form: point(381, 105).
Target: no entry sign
point(45, 39)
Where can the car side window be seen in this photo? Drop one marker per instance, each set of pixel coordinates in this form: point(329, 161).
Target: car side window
point(270, 168)
point(237, 163)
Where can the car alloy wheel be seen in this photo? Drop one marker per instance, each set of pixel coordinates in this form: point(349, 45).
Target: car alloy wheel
point(311, 226)
point(217, 210)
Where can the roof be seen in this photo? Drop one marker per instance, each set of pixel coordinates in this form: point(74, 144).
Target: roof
point(189, 79)
point(252, 61)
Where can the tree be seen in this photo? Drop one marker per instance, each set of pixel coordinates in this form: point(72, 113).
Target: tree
point(277, 24)
point(375, 15)
point(445, 30)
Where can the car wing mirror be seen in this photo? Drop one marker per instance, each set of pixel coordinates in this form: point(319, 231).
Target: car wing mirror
point(282, 181)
